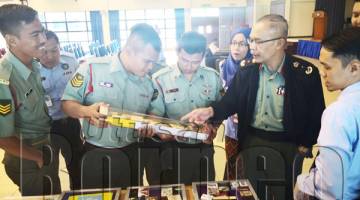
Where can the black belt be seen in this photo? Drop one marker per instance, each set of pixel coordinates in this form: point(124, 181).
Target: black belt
point(62, 120)
point(90, 146)
point(270, 135)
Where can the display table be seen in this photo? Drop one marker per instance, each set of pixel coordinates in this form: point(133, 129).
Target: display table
point(240, 189)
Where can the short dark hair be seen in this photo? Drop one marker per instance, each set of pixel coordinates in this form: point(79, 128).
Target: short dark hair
point(192, 42)
point(52, 35)
point(344, 45)
point(12, 16)
point(147, 34)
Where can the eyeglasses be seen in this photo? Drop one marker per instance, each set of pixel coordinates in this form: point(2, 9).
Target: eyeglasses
point(257, 41)
point(239, 44)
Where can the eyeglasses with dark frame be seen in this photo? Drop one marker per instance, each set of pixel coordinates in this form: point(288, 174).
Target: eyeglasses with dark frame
point(239, 44)
point(256, 41)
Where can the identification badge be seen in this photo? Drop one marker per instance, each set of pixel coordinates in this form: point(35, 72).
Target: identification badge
point(172, 90)
point(280, 90)
point(106, 84)
point(48, 101)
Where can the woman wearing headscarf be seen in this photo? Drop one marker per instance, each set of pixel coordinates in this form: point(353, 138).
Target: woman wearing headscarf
point(239, 54)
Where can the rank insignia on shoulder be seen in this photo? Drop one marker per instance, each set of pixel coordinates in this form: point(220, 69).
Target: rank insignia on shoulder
point(65, 66)
point(5, 106)
point(106, 84)
point(4, 82)
point(308, 70)
point(77, 80)
point(296, 64)
point(155, 95)
point(245, 62)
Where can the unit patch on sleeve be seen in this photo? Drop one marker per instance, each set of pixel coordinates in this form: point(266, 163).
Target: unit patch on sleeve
point(5, 106)
point(77, 80)
point(155, 95)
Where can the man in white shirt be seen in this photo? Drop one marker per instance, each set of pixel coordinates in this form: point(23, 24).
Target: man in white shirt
point(337, 175)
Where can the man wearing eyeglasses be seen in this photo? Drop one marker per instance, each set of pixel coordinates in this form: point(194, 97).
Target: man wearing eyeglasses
point(182, 88)
point(111, 153)
point(279, 102)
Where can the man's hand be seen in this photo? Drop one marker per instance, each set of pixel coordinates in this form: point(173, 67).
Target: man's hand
point(199, 116)
point(95, 117)
point(146, 131)
point(305, 151)
point(211, 131)
point(235, 119)
point(299, 195)
point(39, 160)
point(165, 137)
point(12, 145)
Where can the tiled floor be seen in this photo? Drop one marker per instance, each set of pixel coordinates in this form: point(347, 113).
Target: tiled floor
point(8, 189)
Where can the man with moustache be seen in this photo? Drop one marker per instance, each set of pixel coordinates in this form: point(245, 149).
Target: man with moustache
point(279, 102)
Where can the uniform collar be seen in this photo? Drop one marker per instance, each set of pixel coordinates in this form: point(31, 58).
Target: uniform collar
point(43, 68)
point(21, 68)
point(177, 73)
point(280, 68)
point(62, 61)
point(350, 89)
point(118, 66)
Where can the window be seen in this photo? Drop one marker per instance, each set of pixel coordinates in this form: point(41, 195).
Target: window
point(204, 12)
point(70, 27)
point(163, 20)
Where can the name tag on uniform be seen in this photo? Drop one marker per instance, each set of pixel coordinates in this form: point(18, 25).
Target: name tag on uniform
point(67, 73)
point(106, 84)
point(48, 101)
point(172, 90)
point(144, 95)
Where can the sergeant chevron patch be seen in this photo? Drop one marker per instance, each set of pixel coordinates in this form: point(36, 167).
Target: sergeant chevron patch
point(77, 80)
point(5, 106)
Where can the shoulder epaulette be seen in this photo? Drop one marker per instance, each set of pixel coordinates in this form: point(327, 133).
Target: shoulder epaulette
point(303, 65)
point(162, 71)
point(5, 72)
point(209, 69)
point(67, 54)
point(99, 60)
